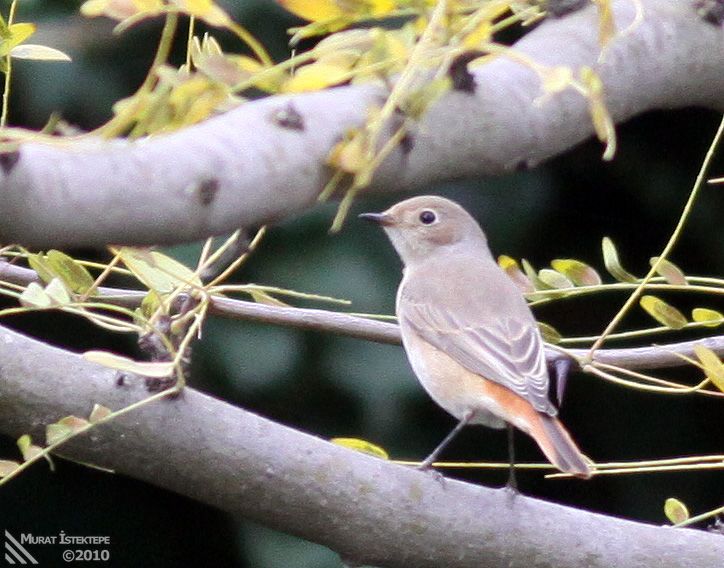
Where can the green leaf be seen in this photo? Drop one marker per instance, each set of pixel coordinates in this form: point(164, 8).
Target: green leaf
point(27, 448)
point(663, 312)
point(671, 273)
point(57, 293)
point(554, 279)
point(158, 271)
point(40, 264)
point(613, 264)
point(550, 334)
point(532, 275)
point(150, 303)
point(675, 511)
point(54, 294)
point(34, 296)
point(578, 272)
point(159, 369)
point(361, 446)
point(55, 433)
point(74, 275)
point(713, 366)
point(38, 53)
point(710, 318)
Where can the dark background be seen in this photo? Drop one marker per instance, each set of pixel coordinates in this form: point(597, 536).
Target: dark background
point(334, 386)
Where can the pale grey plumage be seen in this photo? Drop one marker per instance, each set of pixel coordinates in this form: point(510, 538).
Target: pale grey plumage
point(488, 331)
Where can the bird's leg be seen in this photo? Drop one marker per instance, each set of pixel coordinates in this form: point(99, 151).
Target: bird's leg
point(562, 368)
point(512, 484)
point(441, 446)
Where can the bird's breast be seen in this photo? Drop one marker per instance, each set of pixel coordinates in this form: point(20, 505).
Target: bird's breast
point(451, 385)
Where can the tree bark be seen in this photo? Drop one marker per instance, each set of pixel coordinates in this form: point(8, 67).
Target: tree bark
point(368, 510)
point(245, 168)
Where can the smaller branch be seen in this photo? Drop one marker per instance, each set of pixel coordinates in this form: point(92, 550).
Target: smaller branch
point(369, 510)
point(649, 357)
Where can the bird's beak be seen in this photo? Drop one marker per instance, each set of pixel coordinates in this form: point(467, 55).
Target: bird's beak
point(383, 219)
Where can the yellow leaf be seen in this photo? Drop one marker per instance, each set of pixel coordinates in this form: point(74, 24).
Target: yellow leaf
point(703, 315)
point(98, 413)
point(156, 270)
point(479, 36)
point(602, 121)
point(532, 275)
point(262, 297)
point(313, 10)
point(350, 155)
point(40, 264)
point(120, 9)
point(158, 369)
point(511, 268)
point(361, 446)
point(671, 273)
point(38, 53)
point(606, 24)
point(556, 79)
point(195, 100)
point(64, 428)
point(550, 334)
point(74, 275)
point(75, 423)
point(713, 366)
point(322, 10)
point(27, 448)
point(675, 510)
point(205, 10)
point(18, 33)
point(579, 272)
point(315, 77)
point(663, 312)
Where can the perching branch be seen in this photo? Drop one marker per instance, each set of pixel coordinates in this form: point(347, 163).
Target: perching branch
point(650, 357)
point(246, 167)
point(368, 510)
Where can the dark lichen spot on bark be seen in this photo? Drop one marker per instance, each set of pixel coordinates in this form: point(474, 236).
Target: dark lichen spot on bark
point(407, 143)
point(8, 160)
point(521, 166)
point(711, 11)
point(559, 8)
point(462, 79)
point(288, 117)
point(207, 191)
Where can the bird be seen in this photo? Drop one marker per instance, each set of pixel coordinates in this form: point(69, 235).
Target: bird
point(469, 335)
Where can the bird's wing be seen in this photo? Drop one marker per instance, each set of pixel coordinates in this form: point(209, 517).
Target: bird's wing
point(508, 351)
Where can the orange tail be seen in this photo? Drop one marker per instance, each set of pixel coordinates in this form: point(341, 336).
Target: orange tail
point(559, 448)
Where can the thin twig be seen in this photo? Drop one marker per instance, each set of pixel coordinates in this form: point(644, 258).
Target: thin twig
point(649, 357)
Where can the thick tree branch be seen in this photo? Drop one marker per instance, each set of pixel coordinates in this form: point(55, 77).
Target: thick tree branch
point(368, 510)
point(245, 168)
point(632, 358)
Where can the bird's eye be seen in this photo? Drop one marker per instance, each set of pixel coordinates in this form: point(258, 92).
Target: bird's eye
point(427, 217)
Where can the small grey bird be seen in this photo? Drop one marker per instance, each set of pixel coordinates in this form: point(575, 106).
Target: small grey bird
point(469, 334)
